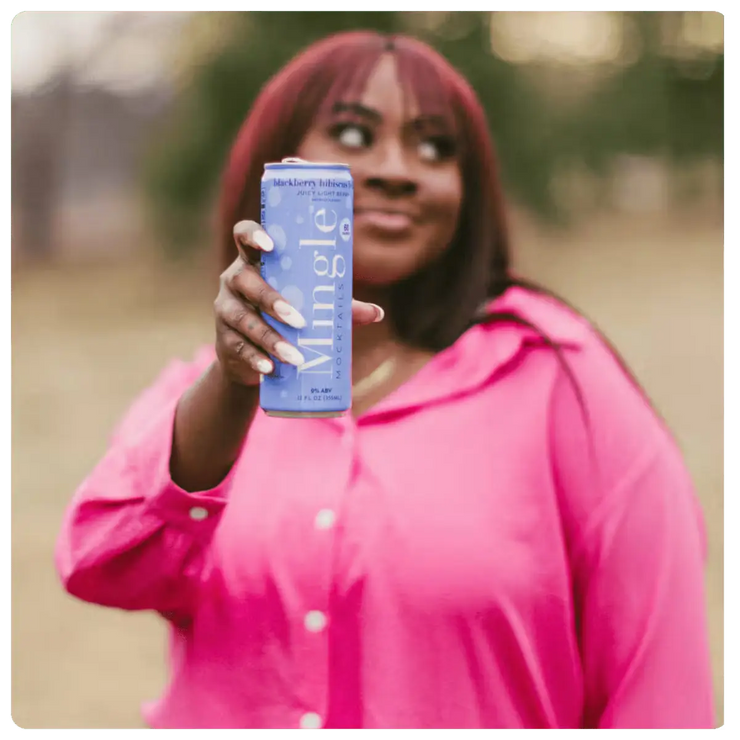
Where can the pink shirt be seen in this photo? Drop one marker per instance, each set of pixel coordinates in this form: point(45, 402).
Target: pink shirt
point(460, 556)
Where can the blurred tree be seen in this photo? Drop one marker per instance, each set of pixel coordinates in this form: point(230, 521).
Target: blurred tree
point(650, 103)
point(40, 135)
point(36, 166)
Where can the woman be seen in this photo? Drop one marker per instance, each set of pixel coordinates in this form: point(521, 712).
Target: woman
point(502, 534)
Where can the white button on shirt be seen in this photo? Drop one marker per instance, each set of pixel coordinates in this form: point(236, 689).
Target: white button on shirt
point(325, 519)
point(198, 513)
point(310, 721)
point(315, 621)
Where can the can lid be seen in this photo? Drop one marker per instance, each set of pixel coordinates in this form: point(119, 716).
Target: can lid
point(290, 161)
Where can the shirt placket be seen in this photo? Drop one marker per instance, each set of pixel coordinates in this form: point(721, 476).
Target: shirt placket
point(324, 530)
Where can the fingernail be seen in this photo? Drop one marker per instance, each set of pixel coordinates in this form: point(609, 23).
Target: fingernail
point(288, 314)
point(288, 353)
point(264, 366)
point(263, 241)
point(380, 313)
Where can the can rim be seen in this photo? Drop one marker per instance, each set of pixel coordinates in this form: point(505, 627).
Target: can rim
point(305, 163)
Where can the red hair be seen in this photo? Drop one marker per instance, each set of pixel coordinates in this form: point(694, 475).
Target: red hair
point(475, 266)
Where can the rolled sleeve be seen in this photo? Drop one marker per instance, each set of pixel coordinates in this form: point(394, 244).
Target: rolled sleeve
point(131, 537)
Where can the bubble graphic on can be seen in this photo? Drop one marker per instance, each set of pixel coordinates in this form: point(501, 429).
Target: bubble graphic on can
point(307, 208)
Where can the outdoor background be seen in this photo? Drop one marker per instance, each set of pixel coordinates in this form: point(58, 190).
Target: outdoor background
point(610, 133)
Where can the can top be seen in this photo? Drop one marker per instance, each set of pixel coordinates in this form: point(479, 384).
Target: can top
point(290, 162)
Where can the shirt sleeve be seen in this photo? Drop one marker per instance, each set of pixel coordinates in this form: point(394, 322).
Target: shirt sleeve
point(132, 538)
point(636, 540)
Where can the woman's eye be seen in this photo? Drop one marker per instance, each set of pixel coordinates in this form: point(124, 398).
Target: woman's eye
point(435, 150)
point(353, 137)
point(428, 151)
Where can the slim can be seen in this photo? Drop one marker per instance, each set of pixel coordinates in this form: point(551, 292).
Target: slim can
point(307, 209)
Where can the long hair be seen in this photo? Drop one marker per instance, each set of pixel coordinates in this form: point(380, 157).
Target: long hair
point(434, 307)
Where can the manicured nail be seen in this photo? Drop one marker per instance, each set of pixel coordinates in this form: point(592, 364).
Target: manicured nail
point(288, 314)
point(264, 366)
point(380, 313)
point(263, 241)
point(288, 353)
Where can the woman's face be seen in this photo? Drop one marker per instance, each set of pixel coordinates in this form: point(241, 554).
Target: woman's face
point(408, 187)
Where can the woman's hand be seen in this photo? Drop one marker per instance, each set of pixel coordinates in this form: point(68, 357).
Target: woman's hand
point(244, 340)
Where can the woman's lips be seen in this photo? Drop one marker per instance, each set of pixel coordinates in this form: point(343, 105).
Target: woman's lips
point(391, 222)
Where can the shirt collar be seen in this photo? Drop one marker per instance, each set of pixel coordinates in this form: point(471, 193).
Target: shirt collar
point(485, 351)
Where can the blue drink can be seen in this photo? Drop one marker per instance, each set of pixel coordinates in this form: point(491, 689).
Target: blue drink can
point(307, 209)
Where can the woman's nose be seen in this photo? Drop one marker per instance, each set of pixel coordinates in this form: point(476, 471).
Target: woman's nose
point(391, 171)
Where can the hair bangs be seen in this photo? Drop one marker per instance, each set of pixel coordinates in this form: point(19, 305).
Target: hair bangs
point(424, 82)
point(343, 72)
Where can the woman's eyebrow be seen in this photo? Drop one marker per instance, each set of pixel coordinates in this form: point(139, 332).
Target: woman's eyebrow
point(428, 120)
point(363, 111)
point(358, 109)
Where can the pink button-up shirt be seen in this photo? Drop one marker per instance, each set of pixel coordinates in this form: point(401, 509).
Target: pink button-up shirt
point(463, 555)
